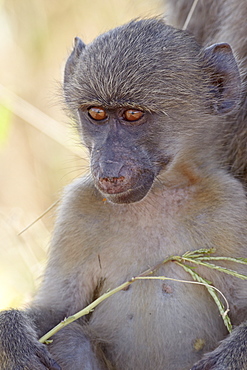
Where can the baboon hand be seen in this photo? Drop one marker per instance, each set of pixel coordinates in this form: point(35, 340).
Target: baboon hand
point(19, 346)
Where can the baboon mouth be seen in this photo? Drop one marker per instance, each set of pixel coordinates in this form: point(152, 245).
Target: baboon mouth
point(129, 196)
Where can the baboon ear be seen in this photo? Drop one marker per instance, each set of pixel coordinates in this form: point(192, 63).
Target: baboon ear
point(224, 76)
point(71, 63)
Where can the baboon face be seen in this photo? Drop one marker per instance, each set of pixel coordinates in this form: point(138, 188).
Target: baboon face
point(124, 163)
point(121, 87)
point(138, 91)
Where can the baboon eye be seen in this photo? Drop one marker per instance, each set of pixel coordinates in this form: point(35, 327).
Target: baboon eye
point(97, 113)
point(133, 115)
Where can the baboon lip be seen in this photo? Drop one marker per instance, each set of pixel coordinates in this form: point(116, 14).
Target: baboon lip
point(131, 195)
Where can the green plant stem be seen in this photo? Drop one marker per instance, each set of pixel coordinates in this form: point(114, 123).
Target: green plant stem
point(85, 310)
point(197, 257)
point(214, 267)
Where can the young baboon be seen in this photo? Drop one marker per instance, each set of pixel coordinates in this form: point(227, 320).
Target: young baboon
point(222, 21)
point(150, 105)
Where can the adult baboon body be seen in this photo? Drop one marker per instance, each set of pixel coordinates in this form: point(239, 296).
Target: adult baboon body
point(222, 21)
point(157, 188)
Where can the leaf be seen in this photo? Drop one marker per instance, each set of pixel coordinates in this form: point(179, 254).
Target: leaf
point(219, 268)
point(215, 258)
point(212, 291)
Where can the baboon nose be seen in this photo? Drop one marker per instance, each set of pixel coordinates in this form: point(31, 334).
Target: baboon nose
point(113, 185)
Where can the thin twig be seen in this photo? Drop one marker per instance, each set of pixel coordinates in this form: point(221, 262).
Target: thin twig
point(85, 311)
point(38, 218)
point(187, 21)
point(90, 307)
point(187, 282)
point(144, 276)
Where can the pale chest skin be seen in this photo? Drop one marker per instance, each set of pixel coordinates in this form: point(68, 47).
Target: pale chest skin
point(122, 241)
point(157, 312)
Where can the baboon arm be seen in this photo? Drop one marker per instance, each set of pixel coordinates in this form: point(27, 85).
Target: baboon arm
point(231, 353)
point(65, 290)
point(75, 346)
point(19, 345)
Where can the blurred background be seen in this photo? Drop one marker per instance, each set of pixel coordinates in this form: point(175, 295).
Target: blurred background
point(39, 150)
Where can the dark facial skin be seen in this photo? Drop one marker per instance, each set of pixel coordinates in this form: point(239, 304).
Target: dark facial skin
point(123, 167)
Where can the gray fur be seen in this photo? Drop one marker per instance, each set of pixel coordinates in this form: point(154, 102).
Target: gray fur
point(175, 196)
point(222, 21)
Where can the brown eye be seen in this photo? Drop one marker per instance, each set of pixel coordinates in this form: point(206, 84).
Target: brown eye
point(133, 115)
point(97, 113)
